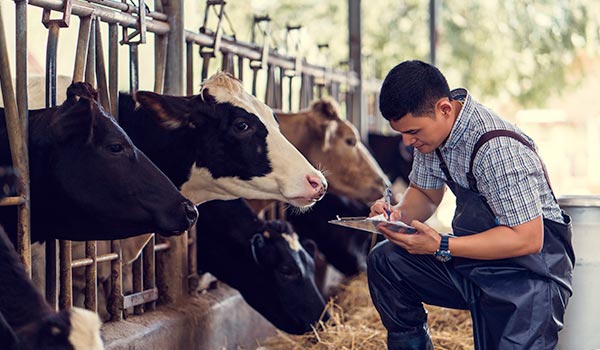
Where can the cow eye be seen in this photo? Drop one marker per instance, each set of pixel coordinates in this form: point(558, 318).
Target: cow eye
point(115, 148)
point(241, 126)
point(351, 141)
point(289, 272)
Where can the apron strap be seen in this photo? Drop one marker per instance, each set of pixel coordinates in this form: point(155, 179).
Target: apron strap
point(449, 181)
point(497, 133)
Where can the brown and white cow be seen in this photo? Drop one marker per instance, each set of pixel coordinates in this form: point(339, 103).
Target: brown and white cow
point(333, 145)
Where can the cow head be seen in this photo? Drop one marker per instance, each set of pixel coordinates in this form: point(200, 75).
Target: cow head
point(91, 182)
point(333, 144)
point(239, 150)
point(74, 329)
point(292, 302)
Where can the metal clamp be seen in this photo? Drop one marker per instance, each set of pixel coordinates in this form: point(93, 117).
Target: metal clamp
point(141, 26)
point(64, 21)
point(266, 36)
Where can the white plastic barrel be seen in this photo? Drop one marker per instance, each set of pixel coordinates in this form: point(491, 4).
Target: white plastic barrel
point(582, 320)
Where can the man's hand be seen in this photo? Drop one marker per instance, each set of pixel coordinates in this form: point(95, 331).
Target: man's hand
point(425, 241)
point(379, 207)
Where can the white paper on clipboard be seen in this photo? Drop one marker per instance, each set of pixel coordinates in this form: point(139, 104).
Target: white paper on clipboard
point(370, 224)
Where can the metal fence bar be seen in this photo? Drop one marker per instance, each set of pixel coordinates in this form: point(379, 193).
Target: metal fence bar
point(91, 277)
point(90, 66)
point(83, 39)
point(65, 300)
point(101, 70)
point(138, 287)
point(160, 62)
point(149, 276)
point(83, 9)
point(189, 70)
point(115, 300)
point(113, 68)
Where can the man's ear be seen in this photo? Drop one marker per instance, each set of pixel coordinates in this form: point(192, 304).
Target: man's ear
point(172, 112)
point(445, 106)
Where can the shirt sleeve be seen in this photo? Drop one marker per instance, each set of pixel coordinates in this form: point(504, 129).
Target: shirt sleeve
point(507, 174)
point(426, 172)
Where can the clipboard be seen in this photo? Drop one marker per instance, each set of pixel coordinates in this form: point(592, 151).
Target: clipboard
point(364, 223)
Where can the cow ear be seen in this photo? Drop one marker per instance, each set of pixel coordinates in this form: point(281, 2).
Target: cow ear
point(74, 121)
point(327, 108)
point(310, 246)
point(257, 244)
point(172, 112)
point(9, 339)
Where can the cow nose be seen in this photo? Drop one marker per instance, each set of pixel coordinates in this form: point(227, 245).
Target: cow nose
point(318, 184)
point(190, 212)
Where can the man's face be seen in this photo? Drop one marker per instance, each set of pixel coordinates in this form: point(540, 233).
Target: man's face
point(426, 132)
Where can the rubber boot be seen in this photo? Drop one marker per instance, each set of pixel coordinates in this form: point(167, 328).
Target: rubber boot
point(417, 339)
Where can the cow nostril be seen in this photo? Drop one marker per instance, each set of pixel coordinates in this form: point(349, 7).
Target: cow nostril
point(190, 211)
point(314, 182)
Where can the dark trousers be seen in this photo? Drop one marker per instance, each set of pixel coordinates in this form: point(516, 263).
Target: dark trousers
point(511, 309)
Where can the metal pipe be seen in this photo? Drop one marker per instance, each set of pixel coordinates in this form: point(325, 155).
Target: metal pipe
point(174, 75)
point(115, 301)
point(88, 261)
point(11, 201)
point(65, 298)
point(23, 224)
point(83, 39)
point(83, 9)
point(136, 276)
point(129, 8)
point(254, 53)
point(149, 272)
point(91, 277)
point(133, 68)
point(160, 62)
point(51, 48)
point(90, 65)
point(189, 71)
point(101, 70)
point(113, 68)
point(52, 273)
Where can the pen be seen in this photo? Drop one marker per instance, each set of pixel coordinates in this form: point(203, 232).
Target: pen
point(388, 202)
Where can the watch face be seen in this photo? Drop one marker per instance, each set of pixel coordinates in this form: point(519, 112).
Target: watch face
point(443, 255)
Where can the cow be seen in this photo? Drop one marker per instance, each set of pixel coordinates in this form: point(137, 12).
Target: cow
point(263, 260)
point(220, 144)
point(344, 248)
point(88, 180)
point(333, 144)
point(27, 322)
point(392, 154)
point(9, 182)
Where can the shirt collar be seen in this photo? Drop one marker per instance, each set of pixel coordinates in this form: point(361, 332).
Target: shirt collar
point(462, 120)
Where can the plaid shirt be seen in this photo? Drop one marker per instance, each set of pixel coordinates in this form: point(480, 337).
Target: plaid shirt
point(509, 175)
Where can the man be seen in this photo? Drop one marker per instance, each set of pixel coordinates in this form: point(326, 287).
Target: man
point(509, 258)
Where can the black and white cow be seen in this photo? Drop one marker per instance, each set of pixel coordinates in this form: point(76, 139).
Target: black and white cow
point(345, 249)
point(393, 155)
point(263, 260)
point(27, 322)
point(88, 180)
point(226, 139)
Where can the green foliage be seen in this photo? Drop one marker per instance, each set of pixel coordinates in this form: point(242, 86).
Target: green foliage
point(524, 50)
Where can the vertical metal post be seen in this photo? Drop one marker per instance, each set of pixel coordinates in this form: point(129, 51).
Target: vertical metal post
point(136, 275)
point(90, 67)
point(51, 48)
point(101, 70)
point(175, 44)
point(189, 71)
point(433, 32)
point(66, 276)
point(91, 277)
point(133, 68)
point(160, 61)
point(240, 64)
point(115, 302)
point(83, 39)
point(355, 65)
point(113, 68)
point(149, 273)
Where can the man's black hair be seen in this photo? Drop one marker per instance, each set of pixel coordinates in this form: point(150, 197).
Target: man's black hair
point(412, 87)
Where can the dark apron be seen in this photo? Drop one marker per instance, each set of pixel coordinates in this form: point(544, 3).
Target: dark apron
point(514, 294)
point(515, 303)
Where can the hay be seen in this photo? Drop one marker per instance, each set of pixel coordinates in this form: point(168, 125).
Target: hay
point(355, 325)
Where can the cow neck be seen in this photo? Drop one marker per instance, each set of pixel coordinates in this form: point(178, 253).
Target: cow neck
point(20, 303)
point(201, 187)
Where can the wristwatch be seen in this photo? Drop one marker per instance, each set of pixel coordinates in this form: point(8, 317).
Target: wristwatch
point(443, 252)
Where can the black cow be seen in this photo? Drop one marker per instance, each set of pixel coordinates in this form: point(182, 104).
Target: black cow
point(226, 139)
point(394, 157)
point(27, 322)
point(9, 182)
point(88, 180)
point(345, 249)
point(263, 260)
